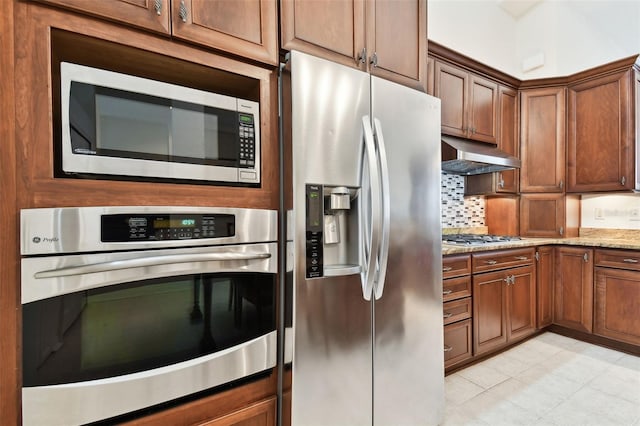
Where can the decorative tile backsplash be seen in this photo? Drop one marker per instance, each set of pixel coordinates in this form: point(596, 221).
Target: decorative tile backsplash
point(459, 211)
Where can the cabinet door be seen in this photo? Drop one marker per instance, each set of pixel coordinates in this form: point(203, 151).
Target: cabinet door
point(397, 41)
point(489, 311)
point(451, 87)
point(483, 109)
point(259, 414)
point(457, 343)
point(617, 304)
point(521, 302)
point(601, 134)
point(508, 141)
point(334, 30)
point(542, 139)
point(549, 215)
point(246, 28)
point(573, 289)
point(152, 15)
point(545, 275)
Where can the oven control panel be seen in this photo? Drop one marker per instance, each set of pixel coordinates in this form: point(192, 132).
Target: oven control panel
point(116, 228)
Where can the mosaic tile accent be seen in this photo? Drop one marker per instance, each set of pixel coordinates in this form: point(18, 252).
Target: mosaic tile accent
point(459, 211)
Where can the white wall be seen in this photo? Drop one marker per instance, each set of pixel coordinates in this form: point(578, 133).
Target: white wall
point(610, 211)
point(571, 35)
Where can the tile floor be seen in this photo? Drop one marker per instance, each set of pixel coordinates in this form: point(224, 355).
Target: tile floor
point(549, 380)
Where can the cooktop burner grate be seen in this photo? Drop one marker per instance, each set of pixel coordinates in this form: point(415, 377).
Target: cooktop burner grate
point(475, 239)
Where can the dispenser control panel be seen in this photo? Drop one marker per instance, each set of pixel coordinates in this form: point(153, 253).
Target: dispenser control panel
point(314, 229)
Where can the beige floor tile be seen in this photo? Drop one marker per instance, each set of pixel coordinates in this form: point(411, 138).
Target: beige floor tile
point(483, 375)
point(459, 390)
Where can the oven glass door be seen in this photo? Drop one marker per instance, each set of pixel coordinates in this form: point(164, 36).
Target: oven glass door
point(117, 123)
point(138, 326)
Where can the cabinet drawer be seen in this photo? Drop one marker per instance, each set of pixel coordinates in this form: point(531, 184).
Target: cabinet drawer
point(621, 259)
point(456, 310)
point(496, 260)
point(455, 266)
point(456, 288)
point(457, 342)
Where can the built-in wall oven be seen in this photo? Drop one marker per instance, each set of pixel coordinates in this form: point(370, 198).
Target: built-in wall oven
point(128, 307)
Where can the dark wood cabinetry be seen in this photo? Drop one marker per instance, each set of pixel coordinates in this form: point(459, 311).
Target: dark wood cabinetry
point(504, 298)
point(573, 288)
point(247, 28)
point(508, 118)
point(601, 134)
point(549, 215)
point(545, 276)
point(456, 291)
point(617, 295)
point(542, 139)
point(469, 103)
point(388, 39)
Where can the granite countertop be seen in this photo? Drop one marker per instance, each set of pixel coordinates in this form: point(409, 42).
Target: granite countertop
point(589, 237)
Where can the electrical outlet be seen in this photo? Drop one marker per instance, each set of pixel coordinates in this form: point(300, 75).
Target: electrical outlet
point(598, 214)
point(634, 214)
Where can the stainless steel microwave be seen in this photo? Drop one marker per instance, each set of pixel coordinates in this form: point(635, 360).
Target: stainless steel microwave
point(121, 125)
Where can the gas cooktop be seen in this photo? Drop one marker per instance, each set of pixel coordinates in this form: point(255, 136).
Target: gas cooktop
point(475, 239)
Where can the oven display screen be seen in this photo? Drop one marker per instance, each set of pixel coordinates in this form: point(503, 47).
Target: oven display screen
point(162, 227)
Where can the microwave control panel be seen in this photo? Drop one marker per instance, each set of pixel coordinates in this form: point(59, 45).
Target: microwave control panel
point(247, 140)
point(118, 228)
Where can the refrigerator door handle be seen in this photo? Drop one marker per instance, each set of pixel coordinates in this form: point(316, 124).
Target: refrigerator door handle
point(383, 253)
point(371, 237)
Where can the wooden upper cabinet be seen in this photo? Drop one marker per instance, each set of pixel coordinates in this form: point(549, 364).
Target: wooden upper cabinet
point(508, 141)
point(542, 139)
point(392, 44)
point(247, 28)
point(601, 135)
point(549, 215)
point(469, 103)
point(154, 15)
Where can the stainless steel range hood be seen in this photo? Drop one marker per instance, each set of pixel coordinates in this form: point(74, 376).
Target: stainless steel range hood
point(466, 157)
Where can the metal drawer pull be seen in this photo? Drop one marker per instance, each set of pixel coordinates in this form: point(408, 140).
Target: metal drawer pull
point(630, 260)
point(448, 348)
point(522, 258)
point(490, 262)
point(446, 292)
point(447, 315)
point(446, 268)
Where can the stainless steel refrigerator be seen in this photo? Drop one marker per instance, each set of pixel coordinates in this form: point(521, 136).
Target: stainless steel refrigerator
point(363, 340)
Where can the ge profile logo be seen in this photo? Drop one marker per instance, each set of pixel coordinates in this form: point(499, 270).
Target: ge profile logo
point(36, 240)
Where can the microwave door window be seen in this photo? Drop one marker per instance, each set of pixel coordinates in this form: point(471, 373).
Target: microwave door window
point(133, 126)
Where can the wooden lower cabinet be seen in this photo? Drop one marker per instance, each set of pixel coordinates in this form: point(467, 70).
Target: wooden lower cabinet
point(617, 304)
point(262, 413)
point(457, 342)
point(545, 274)
point(504, 305)
point(573, 288)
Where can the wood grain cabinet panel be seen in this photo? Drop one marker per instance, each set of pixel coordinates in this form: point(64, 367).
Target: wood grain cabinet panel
point(387, 39)
point(489, 311)
point(469, 103)
point(573, 288)
point(262, 413)
point(456, 310)
point(247, 28)
point(508, 117)
point(456, 265)
point(545, 275)
point(521, 303)
point(549, 215)
point(457, 343)
point(542, 139)
point(601, 136)
point(617, 304)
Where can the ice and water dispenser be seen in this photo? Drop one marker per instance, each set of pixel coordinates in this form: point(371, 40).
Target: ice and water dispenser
point(332, 231)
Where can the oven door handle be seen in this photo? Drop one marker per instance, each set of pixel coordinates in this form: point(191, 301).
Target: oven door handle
point(149, 261)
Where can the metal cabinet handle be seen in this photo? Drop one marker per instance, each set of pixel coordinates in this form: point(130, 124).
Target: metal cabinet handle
point(374, 60)
point(510, 279)
point(586, 257)
point(158, 7)
point(447, 292)
point(490, 262)
point(522, 258)
point(448, 348)
point(561, 230)
point(630, 260)
point(623, 181)
point(447, 315)
point(183, 11)
point(561, 184)
point(362, 56)
point(538, 256)
point(500, 180)
point(446, 268)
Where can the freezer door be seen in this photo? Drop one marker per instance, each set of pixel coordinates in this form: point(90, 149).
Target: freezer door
point(332, 340)
point(408, 341)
